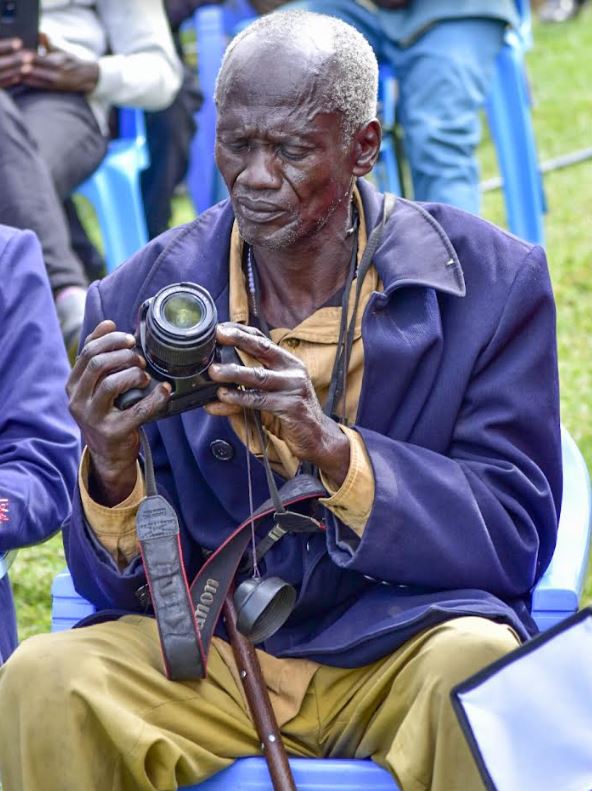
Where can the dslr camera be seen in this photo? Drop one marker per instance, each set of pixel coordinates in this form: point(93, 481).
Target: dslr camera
point(176, 335)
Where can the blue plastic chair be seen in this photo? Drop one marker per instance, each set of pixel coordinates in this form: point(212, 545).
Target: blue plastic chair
point(310, 774)
point(559, 591)
point(114, 190)
point(508, 111)
point(556, 596)
point(6, 560)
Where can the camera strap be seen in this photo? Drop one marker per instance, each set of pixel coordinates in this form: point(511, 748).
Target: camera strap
point(187, 614)
point(290, 522)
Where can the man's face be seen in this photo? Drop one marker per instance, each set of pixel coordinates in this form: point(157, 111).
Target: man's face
point(282, 157)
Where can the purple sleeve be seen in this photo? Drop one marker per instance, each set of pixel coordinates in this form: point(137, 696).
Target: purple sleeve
point(39, 441)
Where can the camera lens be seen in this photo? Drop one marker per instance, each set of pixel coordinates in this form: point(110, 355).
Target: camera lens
point(180, 330)
point(182, 311)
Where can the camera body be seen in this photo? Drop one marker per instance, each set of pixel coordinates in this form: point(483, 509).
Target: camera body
point(176, 335)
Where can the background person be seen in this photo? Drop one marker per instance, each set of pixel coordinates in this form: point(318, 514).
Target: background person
point(53, 114)
point(169, 133)
point(442, 465)
point(39, 441)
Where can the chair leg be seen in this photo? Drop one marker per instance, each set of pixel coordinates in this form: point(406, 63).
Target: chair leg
point(510, 121)
point(211, 43)
point(114, 192)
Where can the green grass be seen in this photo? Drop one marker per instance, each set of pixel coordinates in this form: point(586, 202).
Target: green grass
point(560, 80)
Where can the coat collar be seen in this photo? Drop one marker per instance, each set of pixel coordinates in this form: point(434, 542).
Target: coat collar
point(415, 249)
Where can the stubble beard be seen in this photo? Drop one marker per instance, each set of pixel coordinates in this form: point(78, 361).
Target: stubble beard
point(290, 234)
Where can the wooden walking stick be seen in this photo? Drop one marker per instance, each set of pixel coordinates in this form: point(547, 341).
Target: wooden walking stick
point(259, 703)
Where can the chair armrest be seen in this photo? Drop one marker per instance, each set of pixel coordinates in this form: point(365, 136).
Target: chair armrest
point(561, 587)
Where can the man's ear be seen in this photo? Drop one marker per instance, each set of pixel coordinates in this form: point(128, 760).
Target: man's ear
point(366, 147)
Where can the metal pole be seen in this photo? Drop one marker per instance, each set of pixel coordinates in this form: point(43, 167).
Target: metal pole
point(259, 703)
point(564, 161)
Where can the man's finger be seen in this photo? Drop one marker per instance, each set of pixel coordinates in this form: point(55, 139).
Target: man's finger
point(8, 79)
point(116, 383)
point(8, 45)
point(37, 77)
point(262, 400)
point(150, 406)
point(102, 339)
point(256, 377)
point(104, 365)
point(101, 329)
point(257, 345)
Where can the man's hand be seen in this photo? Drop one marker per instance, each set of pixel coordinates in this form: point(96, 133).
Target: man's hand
point(107, 366)
point(56, 70)
point(13, 58)
point(281, 386)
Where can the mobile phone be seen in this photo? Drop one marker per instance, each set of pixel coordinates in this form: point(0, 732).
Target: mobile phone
point(20, 19)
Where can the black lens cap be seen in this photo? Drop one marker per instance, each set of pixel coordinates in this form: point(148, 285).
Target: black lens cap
point(263, 606)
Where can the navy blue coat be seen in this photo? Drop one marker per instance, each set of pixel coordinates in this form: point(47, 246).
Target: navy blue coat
point(459, 413)
point(39, 441)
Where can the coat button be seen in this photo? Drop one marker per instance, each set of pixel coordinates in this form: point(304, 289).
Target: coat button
point(221, 450)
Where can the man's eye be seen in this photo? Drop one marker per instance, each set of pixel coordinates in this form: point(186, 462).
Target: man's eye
point(293, 153)
point(236, 145)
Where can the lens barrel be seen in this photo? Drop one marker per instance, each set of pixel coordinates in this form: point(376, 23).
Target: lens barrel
point(180, 330)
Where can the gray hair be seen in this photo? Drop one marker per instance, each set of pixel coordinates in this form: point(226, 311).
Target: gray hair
point(352, 78)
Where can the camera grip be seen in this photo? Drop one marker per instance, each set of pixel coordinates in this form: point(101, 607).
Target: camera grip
point(131, 397)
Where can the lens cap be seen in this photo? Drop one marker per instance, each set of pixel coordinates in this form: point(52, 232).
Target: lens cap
point(263, 606)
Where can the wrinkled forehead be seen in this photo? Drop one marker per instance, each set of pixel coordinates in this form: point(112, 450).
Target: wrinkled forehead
point(265, 74)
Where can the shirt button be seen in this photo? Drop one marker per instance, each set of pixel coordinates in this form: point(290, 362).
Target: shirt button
point(292, 343)
point(221, 450)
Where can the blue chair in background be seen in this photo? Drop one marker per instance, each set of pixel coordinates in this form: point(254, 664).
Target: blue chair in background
point(510, 121)
point(114, 191)
point(556, 596)
point(508, 112)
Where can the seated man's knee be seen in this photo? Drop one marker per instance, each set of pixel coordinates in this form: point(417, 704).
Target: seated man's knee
point(10, 117)
point(40, 672)
point(461, 647)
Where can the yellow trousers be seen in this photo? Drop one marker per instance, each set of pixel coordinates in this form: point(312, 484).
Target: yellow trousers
point(90, 710)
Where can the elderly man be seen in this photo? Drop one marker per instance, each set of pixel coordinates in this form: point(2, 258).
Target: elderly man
point(436, 440)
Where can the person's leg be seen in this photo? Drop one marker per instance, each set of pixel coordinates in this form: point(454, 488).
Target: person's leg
point(443, 80)
point(397, 711)
point(91, 259)
point(50, 143)
point(91, 709)
point(169, 133)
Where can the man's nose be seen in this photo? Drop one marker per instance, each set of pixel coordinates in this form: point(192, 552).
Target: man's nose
point(261, 170)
